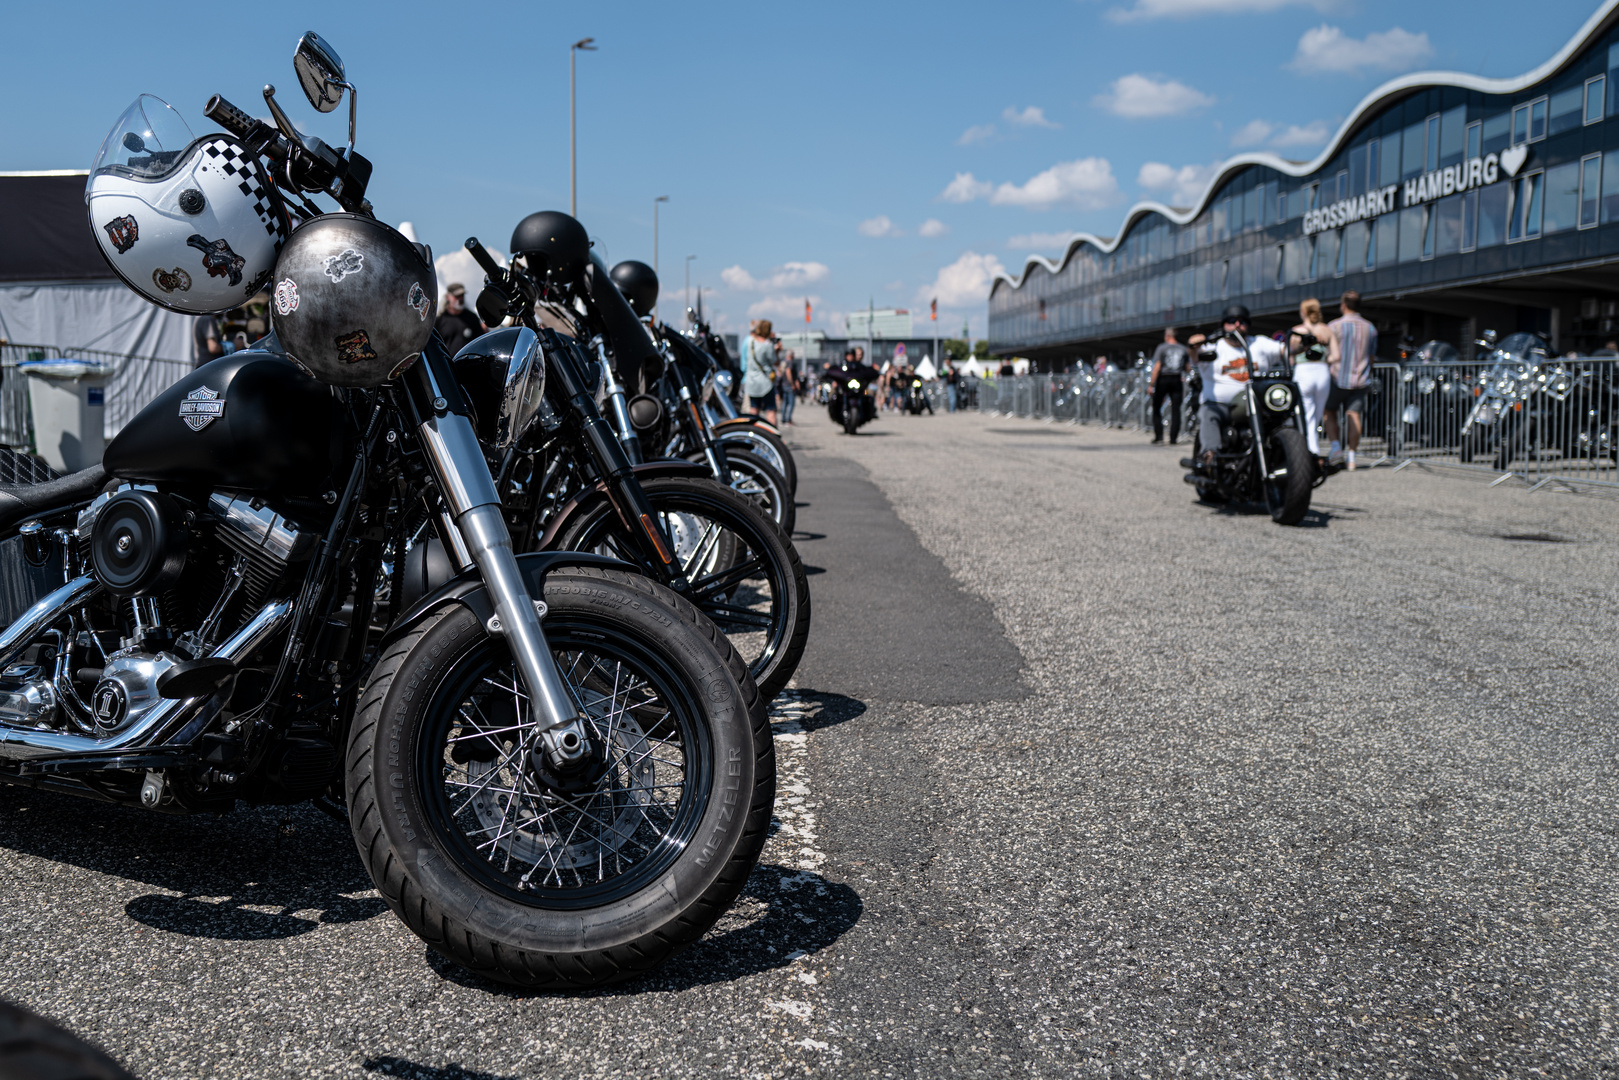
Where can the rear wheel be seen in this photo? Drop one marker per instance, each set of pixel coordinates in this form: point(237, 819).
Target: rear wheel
point(574, 881)
point(1290, 494)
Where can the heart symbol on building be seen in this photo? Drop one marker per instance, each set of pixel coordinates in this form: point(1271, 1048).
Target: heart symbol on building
point(1512, 159)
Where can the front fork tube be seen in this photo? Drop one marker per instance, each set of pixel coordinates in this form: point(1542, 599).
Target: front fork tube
point(1259, 444)
point(620, 411)
point(693, 420)
point(457, 461)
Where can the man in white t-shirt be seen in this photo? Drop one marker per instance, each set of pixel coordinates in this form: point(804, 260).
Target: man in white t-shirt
point(1225, 376)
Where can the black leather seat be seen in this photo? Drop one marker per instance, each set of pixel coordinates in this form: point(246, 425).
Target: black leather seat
point(19, 502)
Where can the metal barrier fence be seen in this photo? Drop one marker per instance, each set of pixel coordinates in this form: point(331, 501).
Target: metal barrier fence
point(135, 382)
point(1557, 420)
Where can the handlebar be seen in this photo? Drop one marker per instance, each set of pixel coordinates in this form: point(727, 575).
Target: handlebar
point(230, 118)
point(487, 261)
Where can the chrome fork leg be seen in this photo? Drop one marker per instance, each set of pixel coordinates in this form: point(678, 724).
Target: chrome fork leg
point(463, 476)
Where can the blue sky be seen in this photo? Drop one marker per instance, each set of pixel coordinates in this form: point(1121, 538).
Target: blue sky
point(846, 153)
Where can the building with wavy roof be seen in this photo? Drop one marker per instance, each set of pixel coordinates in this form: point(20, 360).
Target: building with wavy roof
point(1452, 203)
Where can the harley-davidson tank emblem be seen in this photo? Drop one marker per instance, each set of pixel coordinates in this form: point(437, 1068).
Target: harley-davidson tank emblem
point(123, 232)
point(201, 408)
point(217, 258)
point(176, 280)
point(355, 347)
point(417, 299)
point(286, 296)
point(341, 266)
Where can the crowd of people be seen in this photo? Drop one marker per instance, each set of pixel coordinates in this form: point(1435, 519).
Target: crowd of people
point(1335, 376)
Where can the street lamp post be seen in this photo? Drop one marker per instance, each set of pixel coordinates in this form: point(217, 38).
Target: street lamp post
point(655, 202)
point(584, 44)
point(689, 258)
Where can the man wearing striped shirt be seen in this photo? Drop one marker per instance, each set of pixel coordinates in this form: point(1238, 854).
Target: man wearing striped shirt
point(1349, 357)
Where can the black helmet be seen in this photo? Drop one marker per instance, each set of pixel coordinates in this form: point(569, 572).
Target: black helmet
point(353, 301)
point(1235, 312)
point(639, 284)
point(553, 243)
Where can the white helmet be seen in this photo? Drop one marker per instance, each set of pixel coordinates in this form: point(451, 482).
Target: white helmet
point(188, 223)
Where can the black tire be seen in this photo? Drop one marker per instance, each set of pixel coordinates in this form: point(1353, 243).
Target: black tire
point(768, 445)
point(770, 625)
point(756, 480)
point(583, 923)
point(851, 423)
point(33, 1048)
point(1290, 497)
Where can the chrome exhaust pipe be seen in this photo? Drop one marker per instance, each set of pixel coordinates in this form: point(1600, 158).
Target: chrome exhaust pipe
point(18, 744)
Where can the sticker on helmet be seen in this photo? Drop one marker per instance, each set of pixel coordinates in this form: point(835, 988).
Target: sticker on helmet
point(176, 280)
point(201, 408)
point(404, 365)
point(286, 296)
point(418, 300)
point(341, 266)
point(354, 347)
point(217, 258)
point(123, 232)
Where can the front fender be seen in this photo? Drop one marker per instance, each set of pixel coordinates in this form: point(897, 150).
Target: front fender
point(746, 421)
point(468, 589)
point(587, 501)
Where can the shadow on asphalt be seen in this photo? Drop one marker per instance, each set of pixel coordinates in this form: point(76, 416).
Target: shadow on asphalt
point(415, 1070)
point(222, 867)
point(1314, 518)
point(824, 710)
point(781, 915)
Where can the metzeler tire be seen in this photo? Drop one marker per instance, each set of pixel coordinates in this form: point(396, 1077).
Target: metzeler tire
point(1290, 499)
point(695, 696)
point(783, 630)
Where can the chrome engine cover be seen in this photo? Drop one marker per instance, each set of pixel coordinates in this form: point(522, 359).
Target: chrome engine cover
point(127, 690)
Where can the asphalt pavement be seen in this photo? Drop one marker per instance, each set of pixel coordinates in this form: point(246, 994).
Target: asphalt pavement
point(1078, 778)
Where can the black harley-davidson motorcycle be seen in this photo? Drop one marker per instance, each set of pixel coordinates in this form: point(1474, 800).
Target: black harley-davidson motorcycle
point(557, 771)
point(852, 402)
point(1264, 456)
point(571, 484)
point(916, 395)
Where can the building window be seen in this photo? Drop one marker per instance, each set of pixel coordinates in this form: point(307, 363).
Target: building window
point(1537, 120)
point(1279, 264)
point(1524, 207)
point(1414, 151)
point(1475, 141)
point(1566, 106)
point(1225, 279)
point(1520, 125)
point(1352, 254)
point(1610, 187)
point(1446, 226)
point(1494, 204)
point(1596, 92)
point(1451, 128)
point(1373, 150)
point(1357, 170)
point(1562, 198)
point(1343, 184)
point(1430, 160)
point(1385, 241)
point(1497, 133)
point(1388, 156)
point(1413, 230)
point(1470, 220)
point(1590, 189)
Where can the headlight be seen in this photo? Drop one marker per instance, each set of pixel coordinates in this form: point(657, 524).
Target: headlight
point(916, 382)
point(524, 390)
point(1279, 397)
point(854, 384)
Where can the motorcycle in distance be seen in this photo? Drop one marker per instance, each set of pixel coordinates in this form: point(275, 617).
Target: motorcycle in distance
point(852, 402)
point(1264, 456)
point(557, 772)
point(916, 395)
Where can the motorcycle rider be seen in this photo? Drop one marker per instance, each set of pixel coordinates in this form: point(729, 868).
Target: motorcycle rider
point(1225, 375)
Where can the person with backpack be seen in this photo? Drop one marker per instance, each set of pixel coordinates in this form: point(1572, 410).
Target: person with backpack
point(759, 360)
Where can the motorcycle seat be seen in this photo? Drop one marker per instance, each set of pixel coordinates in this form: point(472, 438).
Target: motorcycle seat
point(21, 501)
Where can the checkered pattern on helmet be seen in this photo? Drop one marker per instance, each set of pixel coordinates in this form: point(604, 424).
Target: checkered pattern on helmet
point(230, 158)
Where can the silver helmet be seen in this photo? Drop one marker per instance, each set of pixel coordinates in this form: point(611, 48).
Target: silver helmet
point(352, 300)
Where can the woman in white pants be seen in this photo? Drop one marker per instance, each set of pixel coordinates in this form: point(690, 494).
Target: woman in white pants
point(1315, 381)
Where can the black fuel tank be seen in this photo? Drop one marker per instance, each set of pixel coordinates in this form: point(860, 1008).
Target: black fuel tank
point(248, 422)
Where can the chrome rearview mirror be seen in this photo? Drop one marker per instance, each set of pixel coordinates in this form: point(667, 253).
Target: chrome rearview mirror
point(320, 73)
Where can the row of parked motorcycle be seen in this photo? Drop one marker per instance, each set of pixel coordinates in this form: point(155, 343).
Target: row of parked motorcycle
point(515, 614)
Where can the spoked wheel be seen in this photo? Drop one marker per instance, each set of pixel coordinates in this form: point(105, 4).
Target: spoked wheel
point(743, 571)
point(760, 483)
point(539, 877)
point(763, 442)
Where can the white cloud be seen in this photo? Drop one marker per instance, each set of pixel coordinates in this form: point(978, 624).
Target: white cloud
point(932, 227)
point(1088, 184)
point(1141, 97)
point(1182, 9)
point(786, 276)
point(786, 311)
point(1263, 132)
point(1181, 187)
point(976, 133)
point(880, 225)
point(1329, 49)
point(1253, 133)
point(1312, 134)
point(1032, 116)
point(1057, 240)
point(963, 282)
point(965, 188)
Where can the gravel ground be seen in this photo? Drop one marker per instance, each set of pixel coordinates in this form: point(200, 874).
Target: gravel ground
point(1187, 793)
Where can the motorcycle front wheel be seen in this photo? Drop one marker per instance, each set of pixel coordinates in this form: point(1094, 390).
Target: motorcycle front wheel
point(1289, 496)
point(575, 880)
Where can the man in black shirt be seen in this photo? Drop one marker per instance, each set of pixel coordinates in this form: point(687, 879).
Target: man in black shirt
point(457, 324)
point(1169, 363)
